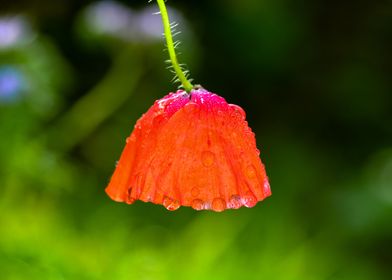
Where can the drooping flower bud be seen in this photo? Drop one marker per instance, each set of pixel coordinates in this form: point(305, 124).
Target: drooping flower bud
point(191, 150)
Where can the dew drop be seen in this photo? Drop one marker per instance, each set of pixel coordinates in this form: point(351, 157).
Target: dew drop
point(266, 188)
point(137, 131)
point(158, 120)
point(207, 205)
point(235, 201)
point(249, 200)
point(218, 205)
point(171, 204)
point(237, 112)
point(197, 204)
point(138, 126)
point(207, 158)
point(250, 171)
point(195, 191)
point(220, 113)
point(191, 107)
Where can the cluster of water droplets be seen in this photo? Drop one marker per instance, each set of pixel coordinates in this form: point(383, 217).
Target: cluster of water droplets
point(217, 204)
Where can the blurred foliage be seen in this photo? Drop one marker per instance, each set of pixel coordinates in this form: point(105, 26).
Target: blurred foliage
point(315, 80)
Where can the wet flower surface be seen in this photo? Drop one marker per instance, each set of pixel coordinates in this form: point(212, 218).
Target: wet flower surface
point(191, 150)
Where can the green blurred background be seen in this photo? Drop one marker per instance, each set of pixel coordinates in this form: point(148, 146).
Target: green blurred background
point(315, 80)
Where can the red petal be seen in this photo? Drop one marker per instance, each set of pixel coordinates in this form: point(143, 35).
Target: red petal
point(191, 150)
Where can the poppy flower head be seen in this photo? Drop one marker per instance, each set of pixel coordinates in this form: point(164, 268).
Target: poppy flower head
point(191, 150)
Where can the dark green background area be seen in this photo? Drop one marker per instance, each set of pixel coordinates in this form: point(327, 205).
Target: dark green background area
point(314, 78)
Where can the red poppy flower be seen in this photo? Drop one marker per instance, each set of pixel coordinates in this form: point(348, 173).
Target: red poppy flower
point(191, 150)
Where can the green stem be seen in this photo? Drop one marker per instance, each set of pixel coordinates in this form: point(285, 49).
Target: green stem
point(170, 46)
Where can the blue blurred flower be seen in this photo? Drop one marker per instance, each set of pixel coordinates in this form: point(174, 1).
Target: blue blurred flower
point(14, 31)
point(110, 18)
point(12, 84)
point(114, 19)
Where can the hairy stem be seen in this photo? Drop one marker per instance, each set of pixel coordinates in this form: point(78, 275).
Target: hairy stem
point(170, 46)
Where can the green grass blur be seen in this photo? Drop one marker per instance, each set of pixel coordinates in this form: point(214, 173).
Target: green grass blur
point(315, 80)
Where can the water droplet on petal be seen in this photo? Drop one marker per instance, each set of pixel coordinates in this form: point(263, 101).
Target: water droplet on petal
point(191, 107)
point(197, 204)
point(138, 126)
point(249, 200)
point(266, 188)
point(158, 120)
point(237, 112)
point(171, 204)
point(218, 205)
point(250, 171)
point(207, 158)
point(195, 191)
point(137, 131)
point(235, 201)
point(207, 205)
point(131, 138)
